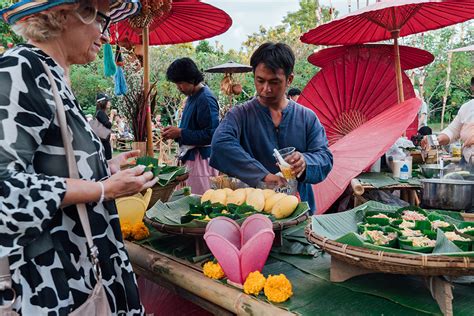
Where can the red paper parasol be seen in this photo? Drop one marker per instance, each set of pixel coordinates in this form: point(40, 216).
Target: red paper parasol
point(163, 22)
point(361, 148)
point(410, 57)
point(354, 85)
point(186, 21)
point(391, 19)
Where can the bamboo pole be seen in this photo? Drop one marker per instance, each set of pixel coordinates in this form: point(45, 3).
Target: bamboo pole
point(398, 68)
point(146, 88)
point(446, 88)
point(179, 274)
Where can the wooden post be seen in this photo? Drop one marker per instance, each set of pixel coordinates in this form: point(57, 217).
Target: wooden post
point(398, 68)
point(446, 88)
point(146, 88)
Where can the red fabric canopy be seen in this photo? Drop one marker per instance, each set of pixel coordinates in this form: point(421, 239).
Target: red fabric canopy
point(187, 21)
point(376, 22)
point(411, 57)
point(352, 88)
point(361, 148)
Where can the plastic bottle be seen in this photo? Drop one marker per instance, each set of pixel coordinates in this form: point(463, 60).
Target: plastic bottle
point(404, 173)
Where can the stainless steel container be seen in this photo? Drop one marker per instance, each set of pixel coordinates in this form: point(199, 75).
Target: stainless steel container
point(448, 194)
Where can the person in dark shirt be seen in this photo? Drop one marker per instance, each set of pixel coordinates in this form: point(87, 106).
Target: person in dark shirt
point(244, 142)
point(103, 106)
point(198, 123)
point(294, 94)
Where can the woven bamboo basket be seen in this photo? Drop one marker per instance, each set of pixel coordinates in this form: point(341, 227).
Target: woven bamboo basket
point(164, 193)
point(389, 262)
point(199, 231)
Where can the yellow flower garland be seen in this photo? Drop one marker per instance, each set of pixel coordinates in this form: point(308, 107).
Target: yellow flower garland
point(254, 283)
point(213, 270)
point(278, 288)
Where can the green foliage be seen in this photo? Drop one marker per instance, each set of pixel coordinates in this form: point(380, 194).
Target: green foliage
point(6, 34)
point(439, 43)
point(87, 81)
point(204, 47)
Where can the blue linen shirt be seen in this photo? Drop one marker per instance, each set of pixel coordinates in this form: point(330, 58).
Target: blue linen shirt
point(199, 122)
point(243, 144)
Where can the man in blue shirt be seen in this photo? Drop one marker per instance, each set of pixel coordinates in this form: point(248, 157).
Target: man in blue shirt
point(243, 143)
point(198, 123)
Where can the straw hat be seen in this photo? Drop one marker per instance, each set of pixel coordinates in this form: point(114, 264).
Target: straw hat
point(119, 9)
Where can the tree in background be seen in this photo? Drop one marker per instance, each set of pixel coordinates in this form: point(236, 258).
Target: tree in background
point(439, 43)
point(88, 80)
point(7, 37)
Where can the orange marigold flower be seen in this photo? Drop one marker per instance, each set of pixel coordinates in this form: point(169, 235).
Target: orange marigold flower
point(254, 283)
point(213, 270)
point(126, 229)
point(278, 288)
point(140, 231)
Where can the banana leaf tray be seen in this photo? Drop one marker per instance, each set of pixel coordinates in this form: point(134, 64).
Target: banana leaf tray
point(333, 233)
point(165, 217)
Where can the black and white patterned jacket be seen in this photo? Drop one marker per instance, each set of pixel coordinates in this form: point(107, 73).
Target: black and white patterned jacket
point(46, 245)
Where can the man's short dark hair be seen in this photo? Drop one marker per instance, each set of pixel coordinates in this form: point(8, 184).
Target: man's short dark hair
point(425, 130)
point(294, 91)
point(274, 56)
point(184, 70)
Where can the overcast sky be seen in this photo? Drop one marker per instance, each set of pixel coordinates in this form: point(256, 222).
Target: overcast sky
point(248, 15)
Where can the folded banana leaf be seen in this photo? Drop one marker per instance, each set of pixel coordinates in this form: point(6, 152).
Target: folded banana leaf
point(168, 174)
point(343, 227)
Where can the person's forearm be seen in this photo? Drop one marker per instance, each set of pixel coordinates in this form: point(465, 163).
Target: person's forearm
point(443, 139)
point(81, 191)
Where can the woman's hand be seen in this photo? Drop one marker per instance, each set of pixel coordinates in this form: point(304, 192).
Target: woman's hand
point(171, 132)
point(128, 182)
point(120, 160)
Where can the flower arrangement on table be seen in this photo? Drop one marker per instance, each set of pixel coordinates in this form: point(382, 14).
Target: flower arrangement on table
point(277, 288)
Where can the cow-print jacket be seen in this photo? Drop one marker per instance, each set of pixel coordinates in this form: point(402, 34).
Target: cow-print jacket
point(46, 246)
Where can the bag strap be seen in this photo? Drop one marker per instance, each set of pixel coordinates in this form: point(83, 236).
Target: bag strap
point(5, 276)
point(72, 168)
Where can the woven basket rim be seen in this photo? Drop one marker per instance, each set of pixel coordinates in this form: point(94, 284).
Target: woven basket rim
point(200, 231)
point(382, 257)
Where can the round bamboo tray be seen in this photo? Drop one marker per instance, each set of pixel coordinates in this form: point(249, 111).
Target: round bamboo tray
point(164, 193)
point(199, 231)
point(389, 262)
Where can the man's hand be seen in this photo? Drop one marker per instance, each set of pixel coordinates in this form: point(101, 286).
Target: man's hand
point(297, 163)
point(121, 159)
point(171, 132)
point(272, 178)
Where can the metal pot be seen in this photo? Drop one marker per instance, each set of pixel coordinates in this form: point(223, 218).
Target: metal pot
point(433, 170)
point(448, 194)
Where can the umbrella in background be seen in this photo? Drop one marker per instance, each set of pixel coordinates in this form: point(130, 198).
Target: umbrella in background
point(391, 19)
point(228, 84)
point(162, 22)
point(448, 74)
point(354, 85)
point(352, 154)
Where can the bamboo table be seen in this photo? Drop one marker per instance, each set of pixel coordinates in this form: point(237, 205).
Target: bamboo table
point(408, 192)
point(187, 280)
